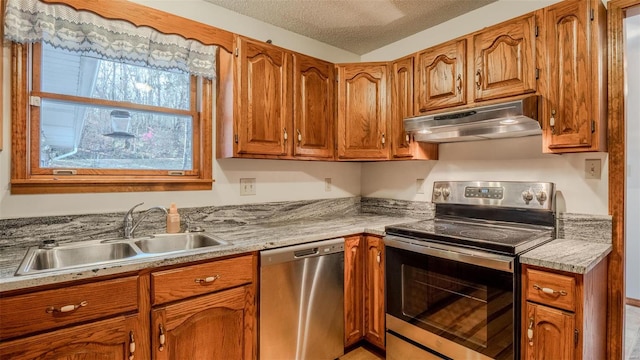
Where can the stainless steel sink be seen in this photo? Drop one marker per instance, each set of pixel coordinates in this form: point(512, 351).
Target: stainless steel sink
point(74, 255)
point(176, 242)
point(50, 257)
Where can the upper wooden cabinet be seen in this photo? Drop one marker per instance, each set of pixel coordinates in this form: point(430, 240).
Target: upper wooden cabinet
point(264, 103)
point(441, 77)
point(574, 111)
point(504, 59)
point(363, 112)
point(313, 107)
point(403, 146)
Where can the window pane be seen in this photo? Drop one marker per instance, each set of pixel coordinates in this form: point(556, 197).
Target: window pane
point(71, 73)
point(83, 136)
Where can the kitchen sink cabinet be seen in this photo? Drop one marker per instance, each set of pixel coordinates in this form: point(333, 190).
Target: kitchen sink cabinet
point(504, 58)
point(441, 76)
point(363, 111)
point(403, 146)
point(564, 314)
point(364, 290)
point(574, 110)
point(215, 326)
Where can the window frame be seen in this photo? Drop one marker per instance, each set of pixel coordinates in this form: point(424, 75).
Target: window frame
point(24, 149)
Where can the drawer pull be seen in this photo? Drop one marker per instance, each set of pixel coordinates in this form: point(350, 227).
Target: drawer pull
point(161, 338)
point(66, 308)
point(207, 280)
point(549, 290)
point(132, 346)
point(530, 332)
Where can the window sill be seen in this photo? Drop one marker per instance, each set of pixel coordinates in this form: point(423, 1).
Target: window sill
point(51, 185)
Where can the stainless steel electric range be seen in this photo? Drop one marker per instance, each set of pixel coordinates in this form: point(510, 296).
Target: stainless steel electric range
point(453, 282)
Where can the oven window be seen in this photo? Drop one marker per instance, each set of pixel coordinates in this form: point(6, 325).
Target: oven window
point(468, 304)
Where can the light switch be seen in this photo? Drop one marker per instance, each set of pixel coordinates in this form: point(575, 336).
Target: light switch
point(592, 168)
point(247, 186)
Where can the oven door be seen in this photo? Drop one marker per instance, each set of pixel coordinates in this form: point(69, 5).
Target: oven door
point(458, 303)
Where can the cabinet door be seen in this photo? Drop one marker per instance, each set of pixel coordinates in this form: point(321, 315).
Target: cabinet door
point(111, 339)
point(353, 287)
point(441, 80)
point(505, 59)
point(570, 93)
point(401, 106)
point(313, 107)
point(547, 333)
point(215, 326)
point(374, 324)
point(265, 107)
point(362, 111)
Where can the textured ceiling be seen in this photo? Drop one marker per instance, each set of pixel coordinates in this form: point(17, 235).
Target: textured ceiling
point(358, 26)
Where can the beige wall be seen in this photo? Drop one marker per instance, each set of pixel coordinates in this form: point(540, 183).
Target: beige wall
point(514, 159)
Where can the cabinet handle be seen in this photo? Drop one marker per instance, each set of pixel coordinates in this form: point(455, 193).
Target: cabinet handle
point(132, 345)
point(549, 290)
point(207, 280)
point(161, 338)
point(530, 332)
point(378, 258)
point(286, 136)
point(407, 138)
point(299, 136)
point(383, 140)
point(478, 79)
point(459, 83)
point(66, 308)
point(552, 122)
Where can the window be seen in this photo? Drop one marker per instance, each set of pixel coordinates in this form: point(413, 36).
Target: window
point(86, 122)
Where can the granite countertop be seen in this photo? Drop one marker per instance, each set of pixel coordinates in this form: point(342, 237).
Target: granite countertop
point(241, 238)
point(576, 256)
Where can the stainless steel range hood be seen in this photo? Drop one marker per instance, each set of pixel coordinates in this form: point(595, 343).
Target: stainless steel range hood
point(508, 119)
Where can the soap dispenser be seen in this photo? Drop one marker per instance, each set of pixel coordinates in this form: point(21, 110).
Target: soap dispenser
point(173, 220)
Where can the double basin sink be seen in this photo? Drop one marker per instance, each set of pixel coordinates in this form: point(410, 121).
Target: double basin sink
point(99, 252)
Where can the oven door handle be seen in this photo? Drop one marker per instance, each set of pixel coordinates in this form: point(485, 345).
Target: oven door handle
point(468, 256)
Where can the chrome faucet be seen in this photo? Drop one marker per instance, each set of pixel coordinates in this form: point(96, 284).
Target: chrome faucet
point(130, 226)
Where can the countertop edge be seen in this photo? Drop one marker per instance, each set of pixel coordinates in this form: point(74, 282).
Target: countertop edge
point(575, 256)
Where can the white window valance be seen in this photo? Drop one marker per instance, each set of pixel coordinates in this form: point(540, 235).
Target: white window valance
point(29, 21)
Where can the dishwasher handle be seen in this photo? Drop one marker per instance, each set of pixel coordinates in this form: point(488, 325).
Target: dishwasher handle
point(306, 252)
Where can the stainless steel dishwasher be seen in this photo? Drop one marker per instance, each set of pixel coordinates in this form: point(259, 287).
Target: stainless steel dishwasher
point(302, 301)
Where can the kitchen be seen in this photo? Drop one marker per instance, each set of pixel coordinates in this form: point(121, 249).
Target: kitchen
point(509, 159)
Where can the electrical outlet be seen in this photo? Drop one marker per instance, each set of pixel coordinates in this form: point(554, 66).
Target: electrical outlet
point(592, 168)
point(327, 184)
point(247, 186)
point(419, 186)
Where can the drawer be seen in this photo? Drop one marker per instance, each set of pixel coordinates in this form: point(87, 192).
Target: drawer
point(551, 289)
point(184, 282)
point(43, 310)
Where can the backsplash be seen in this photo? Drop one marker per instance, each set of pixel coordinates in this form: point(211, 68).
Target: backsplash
point(594, 228)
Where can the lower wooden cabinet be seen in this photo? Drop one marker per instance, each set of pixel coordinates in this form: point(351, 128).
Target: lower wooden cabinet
point(215, 326)
point(111, 339)
point(364, 290)
point(564, 314)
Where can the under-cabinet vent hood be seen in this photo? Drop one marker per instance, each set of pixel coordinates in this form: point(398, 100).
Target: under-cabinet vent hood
point(508, 119)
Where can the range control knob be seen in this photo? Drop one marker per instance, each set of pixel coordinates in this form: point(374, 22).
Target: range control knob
point(541, 196)
point(527, 196)
point(437, 192)
point(446, 192)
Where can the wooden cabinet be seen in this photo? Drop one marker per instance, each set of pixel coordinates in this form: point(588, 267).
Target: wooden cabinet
point(99, 320)
point(574, 111)
point(313, 107)
point(504, 59)
point(441, 76)
point(264, 101)
point(363, 112)
point(353, 290)
point(214, 326)
point(374, 324)
point(364, 290)
point(564, 314)
point(403, 146)
point(207, 311)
